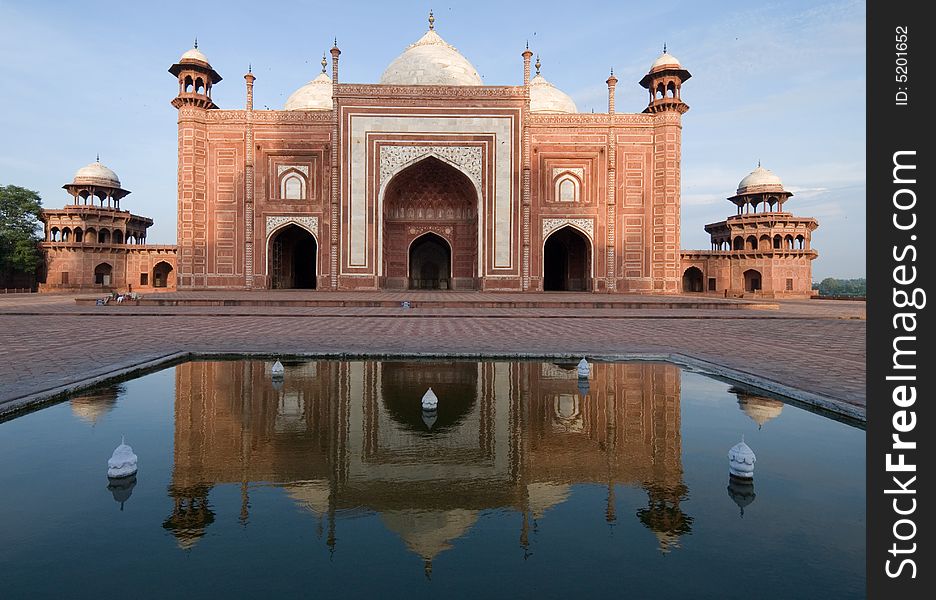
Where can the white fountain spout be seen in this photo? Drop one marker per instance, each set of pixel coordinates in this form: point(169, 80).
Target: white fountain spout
point(277, 370)
point(123, 463)
point(429, 400)
point(741, 460)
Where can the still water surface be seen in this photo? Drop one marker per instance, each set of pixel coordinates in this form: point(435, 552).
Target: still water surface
point(526, 483)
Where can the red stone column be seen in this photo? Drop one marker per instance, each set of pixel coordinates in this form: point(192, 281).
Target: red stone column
point(525, 200)
point(249, 187)
point(334, 225)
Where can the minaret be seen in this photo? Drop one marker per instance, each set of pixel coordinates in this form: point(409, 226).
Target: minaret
point(612, 82)
point(195, 79)
point(664, 81)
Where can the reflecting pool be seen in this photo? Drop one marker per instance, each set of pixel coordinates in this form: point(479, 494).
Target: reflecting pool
point(525, 482)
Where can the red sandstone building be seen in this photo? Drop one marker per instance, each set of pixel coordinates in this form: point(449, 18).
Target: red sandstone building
point(92, 244)
point(431, 179)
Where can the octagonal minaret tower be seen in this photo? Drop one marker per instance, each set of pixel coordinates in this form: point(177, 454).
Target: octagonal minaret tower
point(195, 79)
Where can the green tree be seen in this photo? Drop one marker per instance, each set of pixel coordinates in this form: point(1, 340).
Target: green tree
point(841, 287)
point(19, 230)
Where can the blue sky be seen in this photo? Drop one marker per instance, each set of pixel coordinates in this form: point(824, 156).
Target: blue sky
point(780, 82)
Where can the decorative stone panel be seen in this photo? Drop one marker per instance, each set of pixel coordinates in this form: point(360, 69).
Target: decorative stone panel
point(394, 158)
point(310, 224)
point(586, 225)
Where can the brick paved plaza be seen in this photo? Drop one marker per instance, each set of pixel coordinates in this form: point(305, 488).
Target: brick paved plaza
point(813, 350)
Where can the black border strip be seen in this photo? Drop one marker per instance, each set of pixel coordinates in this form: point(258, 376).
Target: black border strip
point(898, 122)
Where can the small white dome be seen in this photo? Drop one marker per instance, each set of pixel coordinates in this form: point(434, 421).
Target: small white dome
point(547, 98)
point(194, 54)
point(96, 174)
point(315, 95)
point(431, 61)
point(666, 60)
point(762, 179)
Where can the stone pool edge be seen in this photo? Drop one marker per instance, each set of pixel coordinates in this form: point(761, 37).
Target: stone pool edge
point(9, 408)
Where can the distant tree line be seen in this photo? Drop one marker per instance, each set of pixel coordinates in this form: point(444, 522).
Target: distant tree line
point(841, 287)
point(20, 256)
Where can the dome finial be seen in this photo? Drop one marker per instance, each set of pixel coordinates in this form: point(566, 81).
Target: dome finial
point(758, 162)
point(431, 20)
point(528, 44)
point(324, 62)
point(250, 67)
point(196, 42)
point(336, 42)
point(538, 64)
point(98, 157)
point(664, 47)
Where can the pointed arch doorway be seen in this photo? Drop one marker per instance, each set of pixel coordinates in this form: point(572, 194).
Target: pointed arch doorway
point(292, 256)
point(430, 263)
point(567, 261)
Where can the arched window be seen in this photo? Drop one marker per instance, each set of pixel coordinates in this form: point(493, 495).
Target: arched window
point(66, 234)
point(788, 242)
point(567, 188)
point(800, 242)
point(671, 89)
point(54, 234)
point(293, 186)
point(764, 242)
point(751, 243)
point(777, 242)
point(103, 236)
point(661, 91)
point(739, 243)
point(79, 235)
point(199, 86)
point(118, 237)
point(188, 84)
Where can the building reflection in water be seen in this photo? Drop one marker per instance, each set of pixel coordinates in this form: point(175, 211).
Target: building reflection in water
point(343, 437)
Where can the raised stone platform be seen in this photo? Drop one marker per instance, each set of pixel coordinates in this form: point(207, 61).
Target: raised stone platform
point(436, 299)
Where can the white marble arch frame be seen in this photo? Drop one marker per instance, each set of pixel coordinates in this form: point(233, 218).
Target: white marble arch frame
point(479, 203)
point(276, 222)
point(580, 229)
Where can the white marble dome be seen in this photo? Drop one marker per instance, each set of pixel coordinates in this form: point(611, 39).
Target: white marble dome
point(194, 54)
point(547, 98)
point(431, 61)
point(96, 174)
point(666, 60)
point(762, 179)
point(315, 95)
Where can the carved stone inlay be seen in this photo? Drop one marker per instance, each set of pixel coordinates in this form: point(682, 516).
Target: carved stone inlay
point(586, 225)
point(280, 169)
point(578, 171)
point(307, 223)
point(393, 158)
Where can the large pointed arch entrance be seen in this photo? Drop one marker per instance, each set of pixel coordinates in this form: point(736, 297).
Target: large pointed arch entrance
point(292, 255)
point(567, 261)
point(430, 228)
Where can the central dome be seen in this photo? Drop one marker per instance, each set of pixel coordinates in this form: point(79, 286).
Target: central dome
point(431, 61)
